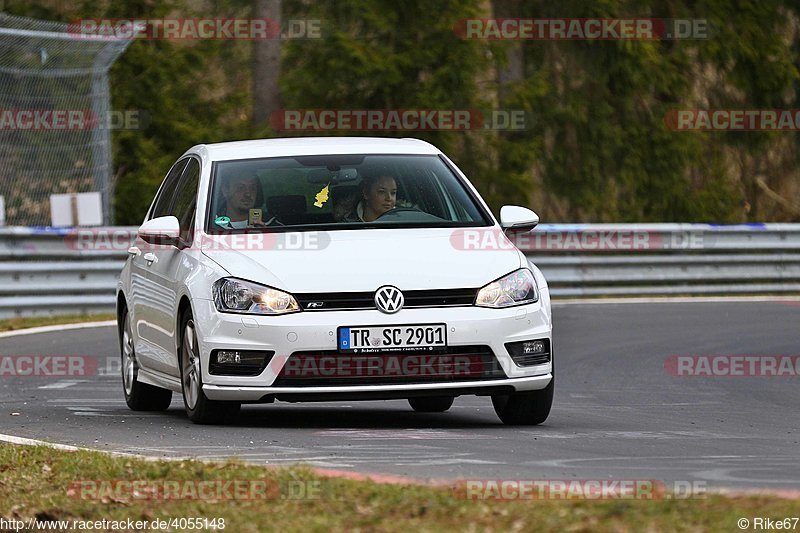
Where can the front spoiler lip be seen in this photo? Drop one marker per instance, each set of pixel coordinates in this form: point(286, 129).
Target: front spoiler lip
point(255, 394)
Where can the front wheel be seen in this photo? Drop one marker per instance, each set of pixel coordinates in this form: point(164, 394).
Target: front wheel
point(524, 408)
point(138, 396)
point(438, 404)
point(199, 408)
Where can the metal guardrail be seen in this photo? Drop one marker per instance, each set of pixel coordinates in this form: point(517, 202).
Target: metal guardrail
point(51, 271)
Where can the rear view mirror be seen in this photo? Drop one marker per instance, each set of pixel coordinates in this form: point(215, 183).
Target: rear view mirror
point(323, 176)
point(346, 174)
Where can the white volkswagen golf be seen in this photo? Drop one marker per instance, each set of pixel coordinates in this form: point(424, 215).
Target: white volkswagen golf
point(323, 269)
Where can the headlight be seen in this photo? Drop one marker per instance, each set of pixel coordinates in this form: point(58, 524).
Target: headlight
point(239, 296)
point(517, 288)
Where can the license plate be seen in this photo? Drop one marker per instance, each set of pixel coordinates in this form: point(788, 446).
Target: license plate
point(404, 338)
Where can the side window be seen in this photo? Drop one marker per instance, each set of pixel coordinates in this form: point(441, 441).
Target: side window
point(164, 198)
point(183, 207)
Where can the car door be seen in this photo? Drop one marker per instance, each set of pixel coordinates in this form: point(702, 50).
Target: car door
point(168, 267)
point(141, 294)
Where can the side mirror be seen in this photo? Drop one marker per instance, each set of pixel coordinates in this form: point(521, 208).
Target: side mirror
point(514, 217)
point(162, 230)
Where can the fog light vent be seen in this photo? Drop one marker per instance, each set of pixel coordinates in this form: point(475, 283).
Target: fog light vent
point(238, 362)
point(530, 353)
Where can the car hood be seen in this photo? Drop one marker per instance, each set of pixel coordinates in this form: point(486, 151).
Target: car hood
point(360, 260)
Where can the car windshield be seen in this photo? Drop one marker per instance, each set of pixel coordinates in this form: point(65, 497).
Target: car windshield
point(339, 192)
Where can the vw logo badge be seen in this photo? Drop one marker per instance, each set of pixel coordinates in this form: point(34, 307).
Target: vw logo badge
point(389, 299)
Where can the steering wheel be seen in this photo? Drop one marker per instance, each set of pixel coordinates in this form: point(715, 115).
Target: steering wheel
point(398, 210)
point(274, 222)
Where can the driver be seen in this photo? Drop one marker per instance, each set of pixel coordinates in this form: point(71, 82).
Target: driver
point(379, 195)
point(241, 194)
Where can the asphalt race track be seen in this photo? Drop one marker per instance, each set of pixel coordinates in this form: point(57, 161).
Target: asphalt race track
point(618, 413)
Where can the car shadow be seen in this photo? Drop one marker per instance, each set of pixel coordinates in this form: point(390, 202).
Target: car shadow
point(381, 415)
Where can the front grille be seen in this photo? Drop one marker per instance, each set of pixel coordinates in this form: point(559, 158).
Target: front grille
point(331, 368)
point(330, 301)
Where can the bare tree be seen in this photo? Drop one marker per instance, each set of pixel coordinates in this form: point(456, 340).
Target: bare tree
point(266, 63)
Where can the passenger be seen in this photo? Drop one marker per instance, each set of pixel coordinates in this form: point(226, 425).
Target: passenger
point(378, 195)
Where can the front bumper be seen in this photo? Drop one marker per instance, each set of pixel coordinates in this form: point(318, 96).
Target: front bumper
point(375, 392)
point(309, 331)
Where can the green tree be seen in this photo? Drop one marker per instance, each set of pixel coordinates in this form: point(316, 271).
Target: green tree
point(600, 148)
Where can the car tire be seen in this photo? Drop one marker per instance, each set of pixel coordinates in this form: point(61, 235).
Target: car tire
point(436, 404)
point(138, 396)
point(524, 408)
point(199, 408)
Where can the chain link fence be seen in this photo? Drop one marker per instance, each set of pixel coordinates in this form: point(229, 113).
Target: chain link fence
point(54, 116)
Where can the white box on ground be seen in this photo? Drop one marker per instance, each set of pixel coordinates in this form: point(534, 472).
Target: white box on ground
point(76, 209)
point(90, 209)
point(61, 209)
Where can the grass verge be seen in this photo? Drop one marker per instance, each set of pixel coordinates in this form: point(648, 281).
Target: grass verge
point(40, 482)
point(11, 324)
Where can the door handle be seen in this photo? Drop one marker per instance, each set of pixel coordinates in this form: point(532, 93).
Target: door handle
point(134, 251)
point(151, 258)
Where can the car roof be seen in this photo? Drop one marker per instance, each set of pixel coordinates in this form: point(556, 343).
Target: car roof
point(299, 146)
